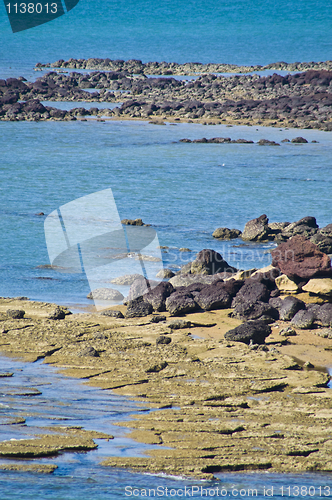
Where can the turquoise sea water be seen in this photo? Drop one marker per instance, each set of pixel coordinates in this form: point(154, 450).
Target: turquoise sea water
point(184, 190)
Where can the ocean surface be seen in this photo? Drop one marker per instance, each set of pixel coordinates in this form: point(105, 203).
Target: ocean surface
point(185, 191)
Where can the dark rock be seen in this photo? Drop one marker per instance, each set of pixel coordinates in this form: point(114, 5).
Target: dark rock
point(315, 309)
point(266, 142)
point(223, 233)
point(133, 222)
point(210, 262)
point(88, 351)
point(276, 302)
point(15, 313)
point(157, 319)
point(158, 295)
point(233, 286)
point(180, 303)
point(303, 319)
point(324, 314)
point(112, 314)
point(138, 308)
point(307, 227)
point(213, 297)
point(157, 367)
point(251, 292)
point(57, 314)
point(299, 257)
point(256, 229)
point(255, 331)
point(289, 307)
point(299, 140)
point(250, 311)
point(163, 340)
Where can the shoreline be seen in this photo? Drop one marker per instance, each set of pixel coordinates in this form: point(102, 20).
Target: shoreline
point(211, 394)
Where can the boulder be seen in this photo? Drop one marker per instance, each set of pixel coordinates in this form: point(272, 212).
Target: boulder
point(179, 324)
point(327, 230)
point(256, 229)
point(324, 315)
point(15, 313)
point(133, 222)
point(126, 279)
point(58, 313)
point(307, 227)
point(223, 233)
point(251, 292)
point(323, 241)
point(89, 351)
point(249, 311)
point(303, 319)
point(140, 286)
point(138, 308)
point(165, 274)
point(157, 318)
point(186, 280)
point(289, 307)
point(299, 140)
point(319, 286)
point(299, 257)
point(255, 331)
point(112, 314)
point(163, 340)
point(180, 303)
point(210, 262)
point(286, 285)
point(213, 297)
point(158, 295)
point(105, 294)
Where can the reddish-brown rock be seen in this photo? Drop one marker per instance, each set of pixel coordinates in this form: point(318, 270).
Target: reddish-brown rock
point(299, 257)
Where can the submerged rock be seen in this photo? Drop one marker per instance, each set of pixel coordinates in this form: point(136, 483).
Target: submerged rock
point(223, 233)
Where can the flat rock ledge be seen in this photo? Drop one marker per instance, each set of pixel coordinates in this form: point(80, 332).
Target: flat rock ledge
point(222, 405)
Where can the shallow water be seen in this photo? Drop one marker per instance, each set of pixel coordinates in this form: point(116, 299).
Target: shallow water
point(184, 190)
point(66, 401)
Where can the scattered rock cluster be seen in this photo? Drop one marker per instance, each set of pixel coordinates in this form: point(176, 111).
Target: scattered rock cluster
point(300, 100)
point(259, 229)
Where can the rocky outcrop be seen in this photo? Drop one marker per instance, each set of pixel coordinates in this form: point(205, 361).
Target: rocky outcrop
point(223, 233)
point(250, 332)
point(256, 229)
point(300, 258)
